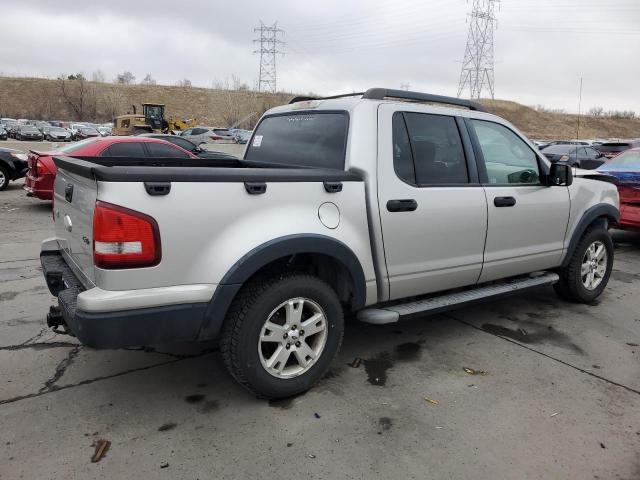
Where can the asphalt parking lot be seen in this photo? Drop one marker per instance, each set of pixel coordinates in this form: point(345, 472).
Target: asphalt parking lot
point(556, 392)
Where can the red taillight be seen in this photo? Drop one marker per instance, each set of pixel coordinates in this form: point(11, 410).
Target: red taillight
point(215, 137)
point(124, 238)
point(40, 169)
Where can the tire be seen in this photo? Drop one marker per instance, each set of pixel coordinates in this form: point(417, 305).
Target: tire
point(573, 285)
point(4, 179)
point(269, 299)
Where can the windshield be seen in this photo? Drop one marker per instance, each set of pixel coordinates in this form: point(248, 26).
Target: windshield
point(309, 139)
point(78, 145)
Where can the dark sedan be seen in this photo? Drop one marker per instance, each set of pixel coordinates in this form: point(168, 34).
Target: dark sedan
point(612, 149)
point(13, 165)
point(575, 155)
point(3, 133)
point(87, 132)
point(28, 132)
point(189, 146)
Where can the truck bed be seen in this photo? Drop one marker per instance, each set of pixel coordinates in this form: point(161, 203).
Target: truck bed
point(125, 169)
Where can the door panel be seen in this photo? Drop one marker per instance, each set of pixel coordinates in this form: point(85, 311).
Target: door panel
point(528, 236)
point(527, 221)
point(439, 244)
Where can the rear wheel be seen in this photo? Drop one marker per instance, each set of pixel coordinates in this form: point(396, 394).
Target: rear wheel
point(587, 274)
point(281, 334)
point(4, 178)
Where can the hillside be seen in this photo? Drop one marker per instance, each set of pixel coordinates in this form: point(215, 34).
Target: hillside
point(90, 101)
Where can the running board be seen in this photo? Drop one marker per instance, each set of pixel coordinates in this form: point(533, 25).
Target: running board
point(428, 306)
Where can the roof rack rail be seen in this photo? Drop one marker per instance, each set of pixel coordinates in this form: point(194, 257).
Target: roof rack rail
point(305, 98)
point(382, 93)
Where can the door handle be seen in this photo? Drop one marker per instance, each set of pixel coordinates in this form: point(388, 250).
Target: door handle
point(504, 201)
point(408, 205)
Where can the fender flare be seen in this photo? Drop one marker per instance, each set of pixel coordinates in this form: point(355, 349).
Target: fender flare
point(268, 252)
point(599, 212)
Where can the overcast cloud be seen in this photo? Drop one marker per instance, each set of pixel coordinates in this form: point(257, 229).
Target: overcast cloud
point(542, 48)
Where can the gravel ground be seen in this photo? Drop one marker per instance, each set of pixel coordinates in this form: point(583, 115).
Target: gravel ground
point(559, 396)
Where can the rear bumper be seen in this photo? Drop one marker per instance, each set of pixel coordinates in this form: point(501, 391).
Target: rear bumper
point(123, 328)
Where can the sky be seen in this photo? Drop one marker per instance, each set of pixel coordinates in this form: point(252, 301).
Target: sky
point(542, 47)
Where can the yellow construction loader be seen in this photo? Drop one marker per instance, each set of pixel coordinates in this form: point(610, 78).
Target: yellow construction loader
point(152, 120)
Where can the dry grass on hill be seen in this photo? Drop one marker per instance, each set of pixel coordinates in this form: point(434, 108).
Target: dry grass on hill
point(90, 101)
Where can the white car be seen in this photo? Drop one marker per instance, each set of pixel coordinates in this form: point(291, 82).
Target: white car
point(379, 204)
point(200, 135)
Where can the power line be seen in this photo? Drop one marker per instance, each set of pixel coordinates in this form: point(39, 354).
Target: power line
point(269, 43)
point(477, 66)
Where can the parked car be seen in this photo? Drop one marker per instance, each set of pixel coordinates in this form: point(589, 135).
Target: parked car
point(570, 142)
point(242, 136)
point(200, 135)
point(189, 146)
point(541, 144)
point(86, 132)
point(12, 128)
point(41, 126)
point(42, 169)
point(27, 132)
point(74, 128)
point(269, 258)
point(3, 133)
point(104, 131)
point(611, 149)
point(575, 155)
point(56, 134)
point(626, 169)
point(13, 165)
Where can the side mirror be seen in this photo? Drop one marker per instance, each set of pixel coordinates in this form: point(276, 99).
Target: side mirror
point(560, 174)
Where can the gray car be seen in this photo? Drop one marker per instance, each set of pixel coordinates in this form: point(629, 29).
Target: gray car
point(200, 135)
point(56, 134)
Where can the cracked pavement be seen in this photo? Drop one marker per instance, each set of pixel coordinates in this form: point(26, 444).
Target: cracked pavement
point(560, 397)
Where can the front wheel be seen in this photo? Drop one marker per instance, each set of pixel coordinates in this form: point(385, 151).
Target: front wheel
point(281, 334)
point(587, 274)
point(4, 179)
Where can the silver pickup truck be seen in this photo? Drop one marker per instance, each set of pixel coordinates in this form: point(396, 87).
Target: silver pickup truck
point(382, 205)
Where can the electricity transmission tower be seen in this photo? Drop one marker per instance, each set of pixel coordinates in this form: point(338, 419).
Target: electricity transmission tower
point(477, 66)
point(269, 44)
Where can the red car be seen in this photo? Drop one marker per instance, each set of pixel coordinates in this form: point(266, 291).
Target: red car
point(626, 168)
point(42, 171)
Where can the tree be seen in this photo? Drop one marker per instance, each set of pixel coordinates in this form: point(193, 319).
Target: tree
point(148, 80)
point(125, 78)
point(98, 76)
point(79, 95)
point(186, 83)
point(596, 112)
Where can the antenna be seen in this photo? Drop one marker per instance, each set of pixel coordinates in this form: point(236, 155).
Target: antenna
point(269, 42)
point(579, 110)
point(477, 67)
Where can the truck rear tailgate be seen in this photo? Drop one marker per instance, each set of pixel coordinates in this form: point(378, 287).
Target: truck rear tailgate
point(74, 203)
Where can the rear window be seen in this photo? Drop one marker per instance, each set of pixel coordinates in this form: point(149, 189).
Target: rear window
point(314, 139)
point(78, 145)
point(614, 147)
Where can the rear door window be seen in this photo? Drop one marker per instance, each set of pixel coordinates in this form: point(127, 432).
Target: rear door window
point(125, 149)
point(161, 151)
point(438, 155)
point(306, 139)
